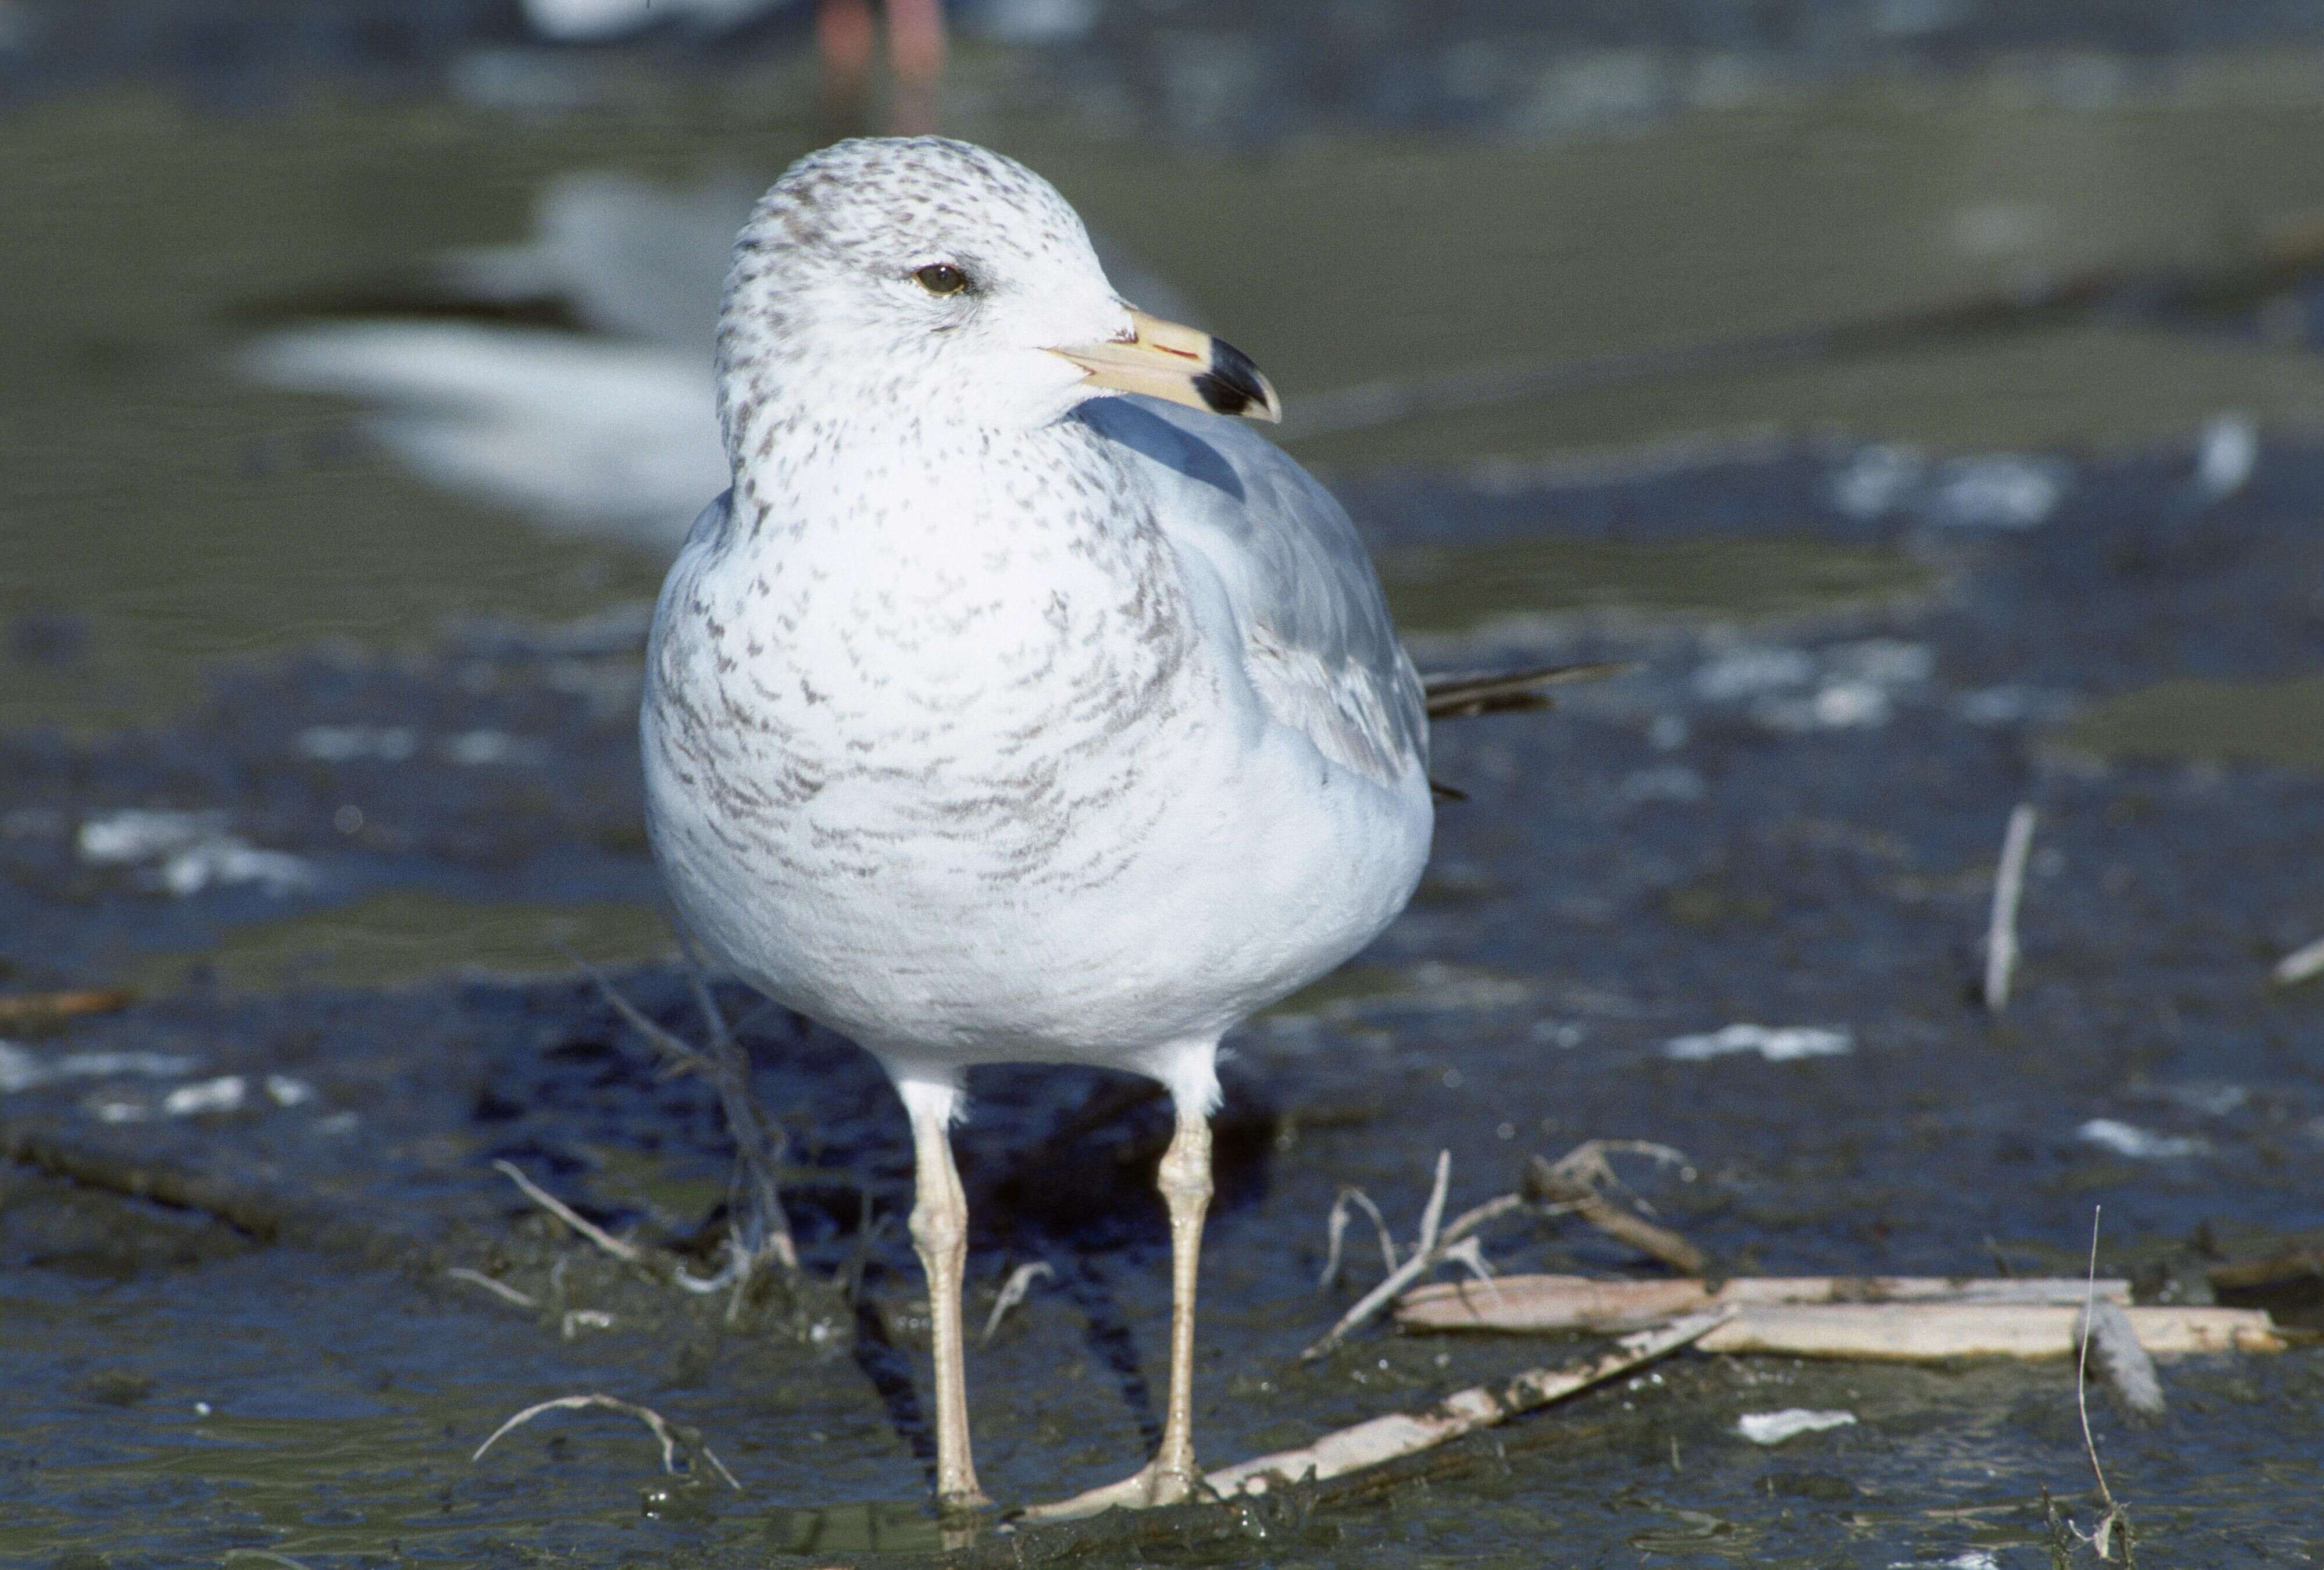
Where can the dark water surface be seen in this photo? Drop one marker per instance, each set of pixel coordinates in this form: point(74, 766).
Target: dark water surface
point(338, 772)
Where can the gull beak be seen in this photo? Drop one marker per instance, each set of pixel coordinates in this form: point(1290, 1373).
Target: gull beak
point(1163, 360)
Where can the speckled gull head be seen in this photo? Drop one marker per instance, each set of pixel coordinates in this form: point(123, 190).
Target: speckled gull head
point(946, 282)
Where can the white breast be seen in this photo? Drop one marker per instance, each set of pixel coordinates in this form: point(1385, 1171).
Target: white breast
point(966, 782)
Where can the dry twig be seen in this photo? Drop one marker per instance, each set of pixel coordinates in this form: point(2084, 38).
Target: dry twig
point(1434, 1246)
point(1335, 1232)
point(1012, 1292)
point(498, 1288)
point(1577, 1181)
point(627, 1252)
point(675, 1441)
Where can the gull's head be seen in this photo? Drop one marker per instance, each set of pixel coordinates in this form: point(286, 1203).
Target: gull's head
point(928, 277)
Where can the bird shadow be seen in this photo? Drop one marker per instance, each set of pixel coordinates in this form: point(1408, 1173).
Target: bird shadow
point(888, 1368)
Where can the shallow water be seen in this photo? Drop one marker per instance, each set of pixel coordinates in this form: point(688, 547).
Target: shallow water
point(1786, 814)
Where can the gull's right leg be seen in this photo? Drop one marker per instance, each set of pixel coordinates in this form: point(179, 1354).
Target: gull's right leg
point(940, 1236)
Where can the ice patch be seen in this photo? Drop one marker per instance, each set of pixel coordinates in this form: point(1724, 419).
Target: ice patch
point(1775, 1427)
point(2005, 491)
point(1778, 1045)
point(1994, 491)
point(141, 834)
point(284, 1091)
point(1877, 481)
point(22, 1070)
point(2225, 457)
point(1842, 686)
point(1883, 661)
point(1842, 706)
point(225, 1094)
point(185, 853)
point(227, 860)
point(2139, 1144)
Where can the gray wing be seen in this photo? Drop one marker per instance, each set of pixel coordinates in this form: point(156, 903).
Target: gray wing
point(1317, 643)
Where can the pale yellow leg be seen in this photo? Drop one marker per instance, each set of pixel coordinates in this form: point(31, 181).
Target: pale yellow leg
point(1172, 1477)
point(1185, 1184)
point(940, 1236)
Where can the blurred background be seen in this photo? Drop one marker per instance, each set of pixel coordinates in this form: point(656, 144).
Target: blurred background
point(1923, 396)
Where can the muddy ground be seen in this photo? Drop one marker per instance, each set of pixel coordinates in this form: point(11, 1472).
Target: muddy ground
point(1788, 821)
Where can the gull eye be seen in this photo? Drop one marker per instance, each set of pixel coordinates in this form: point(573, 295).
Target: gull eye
point(941, 278)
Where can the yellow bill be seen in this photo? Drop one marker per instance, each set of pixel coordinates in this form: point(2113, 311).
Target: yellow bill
point(1165, 360)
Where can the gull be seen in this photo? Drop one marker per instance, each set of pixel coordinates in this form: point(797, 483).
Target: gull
point(1015, 703)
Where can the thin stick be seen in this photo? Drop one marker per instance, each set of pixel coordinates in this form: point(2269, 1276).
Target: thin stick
point(1576, 1181)
point(1336, 1233)
point(1412, 1270)
point(2082, 1368)
point(1432, 1215)
point(627, 1252)
point(1012, 1292)
point(498, 1288)
point(2008, 889)
point(673, 1440)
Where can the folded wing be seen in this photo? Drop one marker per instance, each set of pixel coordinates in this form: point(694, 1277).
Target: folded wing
point(1316, 641)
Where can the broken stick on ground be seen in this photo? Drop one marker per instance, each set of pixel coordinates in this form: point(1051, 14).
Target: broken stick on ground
point(1436, 1244)
point(1891, 1318)
point(1549, 1303)
point(1575, 1183)
point(1380, 1440)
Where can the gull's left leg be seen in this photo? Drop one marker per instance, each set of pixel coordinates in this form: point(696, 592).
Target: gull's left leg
point(1171, 1477)
point(1185, 1183)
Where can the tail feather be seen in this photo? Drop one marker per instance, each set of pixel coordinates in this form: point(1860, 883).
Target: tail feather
point(1462, 694)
